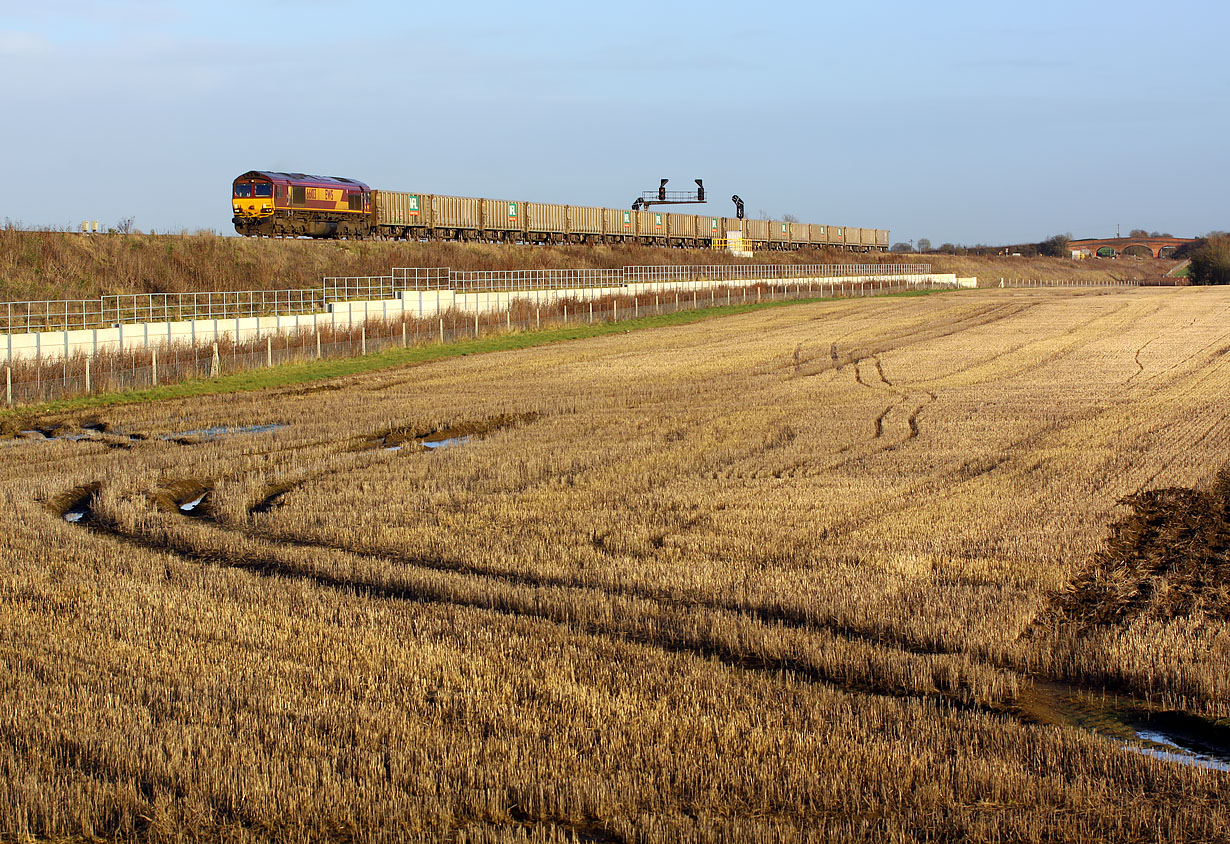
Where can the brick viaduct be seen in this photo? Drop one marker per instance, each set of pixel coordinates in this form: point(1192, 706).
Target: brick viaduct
point(1119, 245)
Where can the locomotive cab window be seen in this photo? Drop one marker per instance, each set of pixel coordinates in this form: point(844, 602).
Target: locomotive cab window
point(263, 189)
point(243, 191)
point(356, 202)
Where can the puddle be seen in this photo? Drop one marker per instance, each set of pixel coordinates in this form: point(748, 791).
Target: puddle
point(189, 497)
point(1184, 756)
point(397, 439)
point(1170, 736)
point(189, 506)
point(446, 442)
point(97, 431)
point(41, 435)
point(77, 504)
point(218, 432)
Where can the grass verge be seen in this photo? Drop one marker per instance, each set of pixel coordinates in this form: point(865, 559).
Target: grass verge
point(318, 370)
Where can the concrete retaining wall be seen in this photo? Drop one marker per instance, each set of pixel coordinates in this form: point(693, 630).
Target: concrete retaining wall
point(51, 345)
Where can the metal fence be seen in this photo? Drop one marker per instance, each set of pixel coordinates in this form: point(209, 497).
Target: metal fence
point(422, 278)
point(765, 272)
point(38, 380)
point(107, 311)
point(50, 315)
point(473, 280)
point(176, 307)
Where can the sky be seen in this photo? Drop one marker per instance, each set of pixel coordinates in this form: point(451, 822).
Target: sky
point(959, 122)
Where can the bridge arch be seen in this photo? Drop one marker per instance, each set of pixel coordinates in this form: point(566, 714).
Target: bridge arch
point(1106, 252)
point(1138, 250)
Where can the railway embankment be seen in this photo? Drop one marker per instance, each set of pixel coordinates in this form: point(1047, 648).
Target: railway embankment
point(42, 265)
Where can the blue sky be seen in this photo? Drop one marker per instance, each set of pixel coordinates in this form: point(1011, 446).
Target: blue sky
point(960, 121)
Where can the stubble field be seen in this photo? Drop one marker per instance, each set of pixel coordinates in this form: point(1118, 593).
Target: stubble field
point(938, 568)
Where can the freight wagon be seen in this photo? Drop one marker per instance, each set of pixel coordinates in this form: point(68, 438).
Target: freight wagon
point(272, 204)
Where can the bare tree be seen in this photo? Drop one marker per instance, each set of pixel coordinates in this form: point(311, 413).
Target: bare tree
point(125, 225)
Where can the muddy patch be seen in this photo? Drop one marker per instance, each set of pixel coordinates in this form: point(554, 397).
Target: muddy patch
point(77, 504)
point(272, 497)
point(417, 439)
point(1168, 559)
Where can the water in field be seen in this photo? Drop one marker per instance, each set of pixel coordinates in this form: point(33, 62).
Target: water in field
point(446, 442)
point(221, 431)
point(190, 506)
point(1170, 736)
point(101, 432)
point(1157, 744)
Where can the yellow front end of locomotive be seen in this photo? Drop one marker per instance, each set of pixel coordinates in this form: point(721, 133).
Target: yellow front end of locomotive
point(252, 200)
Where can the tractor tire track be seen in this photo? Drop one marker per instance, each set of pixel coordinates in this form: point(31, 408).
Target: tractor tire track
point(673, 623)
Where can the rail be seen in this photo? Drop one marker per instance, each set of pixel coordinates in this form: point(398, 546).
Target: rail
point(107, 311)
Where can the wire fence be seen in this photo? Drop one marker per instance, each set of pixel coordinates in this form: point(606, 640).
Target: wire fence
point(1079, 282)
point(107, 311)
point(38, 380)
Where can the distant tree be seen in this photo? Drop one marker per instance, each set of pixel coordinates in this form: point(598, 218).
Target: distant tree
point(1138, 233)
point(125, 225)
point(1055, 246)
point(901, 247)
point(924, 245)
point(948, 248)
point(1210, 260)
point(789, 218)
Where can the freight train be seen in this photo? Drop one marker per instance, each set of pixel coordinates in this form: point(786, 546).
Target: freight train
point(270, 204)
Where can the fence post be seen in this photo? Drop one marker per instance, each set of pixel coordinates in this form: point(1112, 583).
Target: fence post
point(318, 342)
point(363, 340)
point(269, 351)
point(153, 366)
point(87, 375)
point(215, 365)
point(538, 318)
point(508, 317)
point(476, 321)
point(591, 311)
point(403, 334)
point(615, 309)
point(441, 331)
point(8, 386)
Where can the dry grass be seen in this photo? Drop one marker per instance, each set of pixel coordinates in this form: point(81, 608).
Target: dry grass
point(773, 577)
point(62, 265)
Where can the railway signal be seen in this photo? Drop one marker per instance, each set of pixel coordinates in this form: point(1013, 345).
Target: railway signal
point(662, 196)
